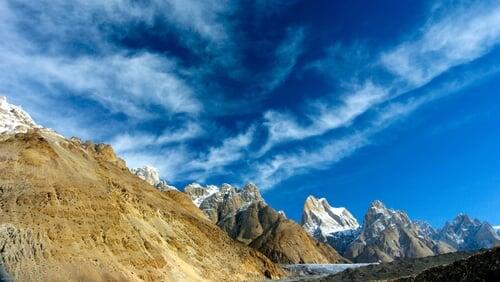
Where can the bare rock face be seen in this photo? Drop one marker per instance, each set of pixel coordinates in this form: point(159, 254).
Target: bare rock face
point(388, 234)
point(286, 242)
point(72, 211)
point(229, 200)
point(244, 215)
point(464, 233)
point(335, 226)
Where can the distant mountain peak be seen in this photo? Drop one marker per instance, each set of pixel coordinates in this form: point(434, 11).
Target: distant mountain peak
point(337, 226)
point(426, 228)
point(250, 186)
point(318, 215)
point(199, 193)
point(151, 175)
point(378, 204)
point(389, 234)
point(465, 233)
point(245, 216)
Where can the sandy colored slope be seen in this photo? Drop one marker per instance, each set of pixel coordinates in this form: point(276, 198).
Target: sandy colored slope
point(72, 211)
point(287, 242)
point(281, 240)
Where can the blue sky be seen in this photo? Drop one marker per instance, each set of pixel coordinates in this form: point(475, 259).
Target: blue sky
point(349, 100)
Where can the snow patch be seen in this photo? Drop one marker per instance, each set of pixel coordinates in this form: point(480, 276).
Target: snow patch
point(14, 119)
point(320, 270)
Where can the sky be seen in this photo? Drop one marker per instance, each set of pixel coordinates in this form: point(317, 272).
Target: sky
point(349, 100)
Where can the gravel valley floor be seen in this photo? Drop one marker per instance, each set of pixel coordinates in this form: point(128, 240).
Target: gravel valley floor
point(371, 272)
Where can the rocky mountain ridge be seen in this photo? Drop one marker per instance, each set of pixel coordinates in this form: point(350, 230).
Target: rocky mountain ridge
point(71, 210)
point(464, 233)
point(388, 234)
point(246, 217)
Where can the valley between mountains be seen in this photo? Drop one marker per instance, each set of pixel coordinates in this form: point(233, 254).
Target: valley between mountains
point(73, 211)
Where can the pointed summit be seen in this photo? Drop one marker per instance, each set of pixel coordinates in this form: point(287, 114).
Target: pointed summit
point(337, 226)
point(318, 215)
point(465, 233)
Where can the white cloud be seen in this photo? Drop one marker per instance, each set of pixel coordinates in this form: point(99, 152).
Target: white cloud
point(232, 149)
point(459, 38)
point(204, 18)
point(282, 166)
point(455, 39)
point(140, 141)
point(286, 56)
point(271, 171)
point(120, 83)
point(324, 116)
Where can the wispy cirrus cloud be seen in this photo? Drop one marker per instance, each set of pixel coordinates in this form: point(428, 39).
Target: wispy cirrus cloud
point(269, 172)
point(323, 116)
point(122, 84)
point(170, 161)
point(128, 142)
point(78, 60)
point(216, 158)
point(450, 40)
point(285, 58)
point(189, 79)
point(445, 42)
point(179, 162)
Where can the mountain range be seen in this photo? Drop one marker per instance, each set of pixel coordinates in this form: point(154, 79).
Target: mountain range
point(73, 210)
point(246, 217)
point(387, 234)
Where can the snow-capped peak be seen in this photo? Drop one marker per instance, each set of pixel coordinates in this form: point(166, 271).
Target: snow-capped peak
point(151, 175)
point(497, 229)
point(465, 233)
point(425, 228)
point(282, 213)
point(14, 119)
point(148, 173)
point(319, 216)
point(199, 193)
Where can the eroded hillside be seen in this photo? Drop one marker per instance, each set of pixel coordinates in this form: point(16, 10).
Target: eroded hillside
point(73, 211)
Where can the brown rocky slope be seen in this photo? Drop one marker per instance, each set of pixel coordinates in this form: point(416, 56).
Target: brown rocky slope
point(73, 211)
point(245, 216)
point(285, 241)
